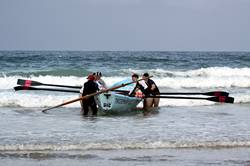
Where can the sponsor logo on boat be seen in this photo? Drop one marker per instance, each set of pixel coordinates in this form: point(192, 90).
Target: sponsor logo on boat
point(107, 105)
point(123, 101)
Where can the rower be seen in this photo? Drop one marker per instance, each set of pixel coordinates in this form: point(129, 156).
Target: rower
point(99, 81)
point(138, 89)
point(152, 89)
point(89, 87)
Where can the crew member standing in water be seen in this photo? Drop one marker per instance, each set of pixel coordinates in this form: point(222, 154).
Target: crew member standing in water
point(151, 90)
point(138, 90)
point(89, 87)
point(100, 82)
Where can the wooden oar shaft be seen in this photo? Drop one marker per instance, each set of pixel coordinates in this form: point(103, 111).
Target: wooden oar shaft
point(65, 103)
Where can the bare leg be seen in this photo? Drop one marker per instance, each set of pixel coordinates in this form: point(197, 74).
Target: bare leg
point(156, 102)
point(148, 106)
point(148, 102)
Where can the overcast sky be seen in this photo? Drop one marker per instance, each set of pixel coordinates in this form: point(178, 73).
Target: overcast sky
point(164, 25)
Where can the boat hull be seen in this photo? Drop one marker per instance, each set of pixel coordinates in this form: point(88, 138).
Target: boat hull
point(114, 102)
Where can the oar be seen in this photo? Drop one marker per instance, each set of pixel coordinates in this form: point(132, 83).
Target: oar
point(214, 93)
point(222, 99)
point(17, 88)
point(92, 94)
point(36, 83)
point(27, 83)
point(46, 89)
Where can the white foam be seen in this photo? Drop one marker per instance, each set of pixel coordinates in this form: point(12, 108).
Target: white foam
point(31, 99)
point(202, 72)
point(25, 99)
point(212, 77)
point(11, 81)
point(184, 102)
point(124, 145)
point(205, 79)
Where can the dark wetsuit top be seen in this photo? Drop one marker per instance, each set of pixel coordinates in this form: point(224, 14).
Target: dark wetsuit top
point(139, 86)
point(90, 87)
point(148, 90)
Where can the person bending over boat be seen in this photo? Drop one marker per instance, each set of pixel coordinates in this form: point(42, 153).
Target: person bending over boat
point(151, 90)
point(89, 87)
point(138, 90)
point(99, 81)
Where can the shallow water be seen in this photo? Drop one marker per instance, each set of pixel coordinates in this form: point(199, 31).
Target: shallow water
point(159, 157)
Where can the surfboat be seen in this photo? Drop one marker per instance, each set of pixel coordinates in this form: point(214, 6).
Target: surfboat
point(114, 101)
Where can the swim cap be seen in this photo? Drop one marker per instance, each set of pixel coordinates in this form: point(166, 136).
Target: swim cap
point(91, 77)
point(99, 74)
point(135, 75)
point(146, 75)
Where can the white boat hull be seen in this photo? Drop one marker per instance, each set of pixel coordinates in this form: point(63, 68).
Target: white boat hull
point(114, 102)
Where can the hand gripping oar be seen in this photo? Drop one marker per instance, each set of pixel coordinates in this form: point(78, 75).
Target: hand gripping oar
point(214, 93)
point(28, 83)
point(222, 99)
point(46, 89)
point(90, 95)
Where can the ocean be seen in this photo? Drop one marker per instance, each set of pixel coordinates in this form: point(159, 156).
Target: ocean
point(180, 132)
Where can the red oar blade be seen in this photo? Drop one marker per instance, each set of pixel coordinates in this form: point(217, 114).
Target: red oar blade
point(217, 93)
point(36, 83)
point(45, 89)
point(28, 82)
point(222, 99)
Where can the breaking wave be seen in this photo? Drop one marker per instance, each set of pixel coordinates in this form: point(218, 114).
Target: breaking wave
point(200, 78)
point(234, 80)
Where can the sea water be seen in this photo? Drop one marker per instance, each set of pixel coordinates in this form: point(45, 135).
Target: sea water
point(180, 132)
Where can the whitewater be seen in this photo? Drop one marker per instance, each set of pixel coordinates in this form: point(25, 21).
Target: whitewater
point(234, 80)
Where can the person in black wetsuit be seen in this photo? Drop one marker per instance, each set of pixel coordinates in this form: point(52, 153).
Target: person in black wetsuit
point(89, 87)
point(138, 90)
point(151, 89)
